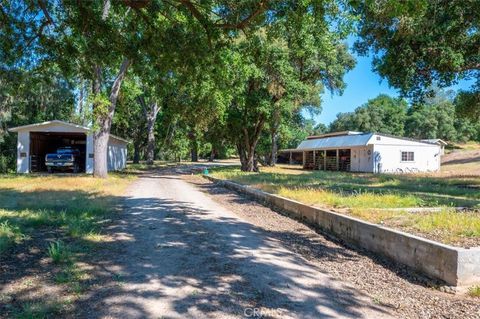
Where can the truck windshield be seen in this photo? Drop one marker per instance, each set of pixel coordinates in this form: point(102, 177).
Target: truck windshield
point(64, 151)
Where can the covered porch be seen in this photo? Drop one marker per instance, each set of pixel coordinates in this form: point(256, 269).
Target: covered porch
point(328, 159)
point(290, 156)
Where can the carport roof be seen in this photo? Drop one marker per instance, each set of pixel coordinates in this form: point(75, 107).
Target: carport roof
point(36, 125)
point(58, 122)
point(336, 142)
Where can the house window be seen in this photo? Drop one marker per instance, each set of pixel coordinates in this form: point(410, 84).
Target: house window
point(408, 157)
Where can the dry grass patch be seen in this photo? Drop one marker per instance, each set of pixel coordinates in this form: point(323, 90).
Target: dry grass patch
point(340, 199)
point(54, 223)
point(351, 189)
point(447, 225)
point(74, 204)
point(372, 197)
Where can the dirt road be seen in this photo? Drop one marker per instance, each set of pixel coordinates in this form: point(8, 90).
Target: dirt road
point(182, 255)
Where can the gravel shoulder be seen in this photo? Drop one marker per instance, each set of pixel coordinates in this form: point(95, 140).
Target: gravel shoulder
point(406, 293)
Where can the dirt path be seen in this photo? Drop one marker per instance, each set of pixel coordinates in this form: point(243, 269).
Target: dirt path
point(179, 254)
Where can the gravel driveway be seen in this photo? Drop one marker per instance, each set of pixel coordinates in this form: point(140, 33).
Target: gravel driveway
point(179, 254)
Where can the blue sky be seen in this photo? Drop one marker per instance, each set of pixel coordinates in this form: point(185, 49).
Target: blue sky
point(362, 84)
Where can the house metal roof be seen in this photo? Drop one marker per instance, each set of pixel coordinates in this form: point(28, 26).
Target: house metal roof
point(336, 141)
point(350, 139)
point(436, 141)
point(334, 134)
point(58, 122)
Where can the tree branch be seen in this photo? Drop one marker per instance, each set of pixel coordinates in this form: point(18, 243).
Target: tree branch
point(141, 101)
point(196, 13)
point(4, 15)
point(118, 81)
point(155, 109)
point(471, 66)
point(106, 9)
point(43, 7)
point(262, 6)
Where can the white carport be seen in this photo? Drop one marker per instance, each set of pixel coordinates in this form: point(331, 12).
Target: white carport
point(36, 140)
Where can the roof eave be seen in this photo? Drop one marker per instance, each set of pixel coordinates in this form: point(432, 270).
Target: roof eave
point(84, 128)
point(120, 139)
point(24, 127)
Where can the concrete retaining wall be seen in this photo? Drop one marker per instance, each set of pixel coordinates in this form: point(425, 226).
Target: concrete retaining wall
point(456, 266)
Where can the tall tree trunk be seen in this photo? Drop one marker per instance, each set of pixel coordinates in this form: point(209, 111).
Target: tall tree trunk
point(151, 111)
point(251, 165)
point(242, 155)
point(274, 150)
point(247, 146)
point(136, 153)
point(194, 152)
point(150, 142)
point(104, 120)
point(212, 154)
point(272, 160)
point(193, 145)
point(80, 98)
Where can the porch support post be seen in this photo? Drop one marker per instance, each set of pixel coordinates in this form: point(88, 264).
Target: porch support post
point(291, 159)
point(338, 161)
point(314, 162)
point(324, 160)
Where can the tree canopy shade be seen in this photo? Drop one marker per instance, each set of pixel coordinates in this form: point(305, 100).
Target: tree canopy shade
point(101, 41)
point(283, 67)
point(225, 74)
point(419, 43)
point(27, 97)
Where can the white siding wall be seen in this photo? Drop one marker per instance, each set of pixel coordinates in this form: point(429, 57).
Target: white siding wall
point(388, 153)
point(361, 159)
point(23, 146)
point(117, 155)
point(89, 159)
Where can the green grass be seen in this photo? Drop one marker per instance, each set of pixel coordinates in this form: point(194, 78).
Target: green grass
point(341, 199)
point(40, 310)
point(76, 205)
point(465, 224)
point(447, 225)
point(370, 196)
point(59, 252)
point(70, 208)
point(474, 291)
point(9, 235)
point(142, 167)
point(73, 277)
point(339, 188)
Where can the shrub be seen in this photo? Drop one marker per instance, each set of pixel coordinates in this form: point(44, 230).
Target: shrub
point(8, 235)
point(59, 252)
point(39, 310)
point(474, 291)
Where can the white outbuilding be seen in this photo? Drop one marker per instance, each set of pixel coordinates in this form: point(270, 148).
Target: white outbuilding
point(369, 152)
point(36, 140)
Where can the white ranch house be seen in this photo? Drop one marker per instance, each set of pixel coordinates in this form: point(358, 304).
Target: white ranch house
point(367, 152)
point(36, 140)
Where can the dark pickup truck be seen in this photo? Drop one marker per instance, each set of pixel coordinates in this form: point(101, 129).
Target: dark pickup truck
point(66, 158)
